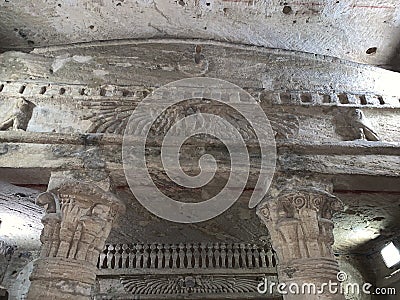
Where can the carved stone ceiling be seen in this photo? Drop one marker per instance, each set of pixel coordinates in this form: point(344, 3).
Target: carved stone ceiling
point(58, 80)
point(365, 31)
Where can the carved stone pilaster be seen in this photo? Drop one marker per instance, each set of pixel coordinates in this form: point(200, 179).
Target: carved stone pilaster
point(299, 222)
point(78, 221)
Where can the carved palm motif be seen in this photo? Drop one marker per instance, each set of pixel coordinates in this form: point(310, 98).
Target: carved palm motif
point(205, 284)
point(113, 116)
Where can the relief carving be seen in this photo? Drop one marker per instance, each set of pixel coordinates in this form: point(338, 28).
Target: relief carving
point(299, 223)
point(113, 116)
point(19, 117)
point(354, 125)
point(78, 221)
point(204, 284)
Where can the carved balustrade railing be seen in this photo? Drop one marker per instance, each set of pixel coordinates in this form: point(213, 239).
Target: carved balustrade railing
point(184, 271)
point(120, 258)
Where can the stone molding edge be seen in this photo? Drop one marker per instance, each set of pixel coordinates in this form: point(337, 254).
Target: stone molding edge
point(295, 146)
point(83, 94)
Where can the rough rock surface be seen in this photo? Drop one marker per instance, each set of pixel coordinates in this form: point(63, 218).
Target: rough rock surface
point(358, 31)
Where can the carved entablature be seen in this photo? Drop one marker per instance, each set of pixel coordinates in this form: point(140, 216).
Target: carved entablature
point(299, 223)
point(78, 221)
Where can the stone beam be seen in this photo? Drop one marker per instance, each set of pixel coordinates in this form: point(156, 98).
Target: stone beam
point(69, 152)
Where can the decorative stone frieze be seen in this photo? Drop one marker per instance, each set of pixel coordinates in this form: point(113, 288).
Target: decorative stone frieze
point(191, 284)
point(78, 221)
point(299, 222)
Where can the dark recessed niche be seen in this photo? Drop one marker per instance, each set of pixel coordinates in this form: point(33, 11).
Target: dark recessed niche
point(306, 98)
point(287, 10)
point(343, 99)
point(22, 89)
point(363, 100)
point(62, 91)
point(371, 50)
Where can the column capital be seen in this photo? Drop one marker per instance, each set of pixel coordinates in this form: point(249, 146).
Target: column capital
point(299, 222)
point(292, 203)
point(79, 219)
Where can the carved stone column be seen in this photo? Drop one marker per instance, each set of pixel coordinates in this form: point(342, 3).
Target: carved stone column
point(299, 222)
point(78, 221)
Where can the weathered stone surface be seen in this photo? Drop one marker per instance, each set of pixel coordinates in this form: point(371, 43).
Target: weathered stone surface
point(151, 63)
point(334, 121)
point(19, 236)
point(299, 222)
point(367, 216)
point(78, 221)
point(324, 27)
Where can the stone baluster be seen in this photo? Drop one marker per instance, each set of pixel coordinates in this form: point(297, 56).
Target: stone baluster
point(102, 258)
point(270, 257)
point(302, 236)
point(196, 256)
point(139, 256)
point(189, 255)
point(79, 218)
point(263, 258)
point(203, 255)
point(210, 255)
point(168, 257)
point(229, 256)
point(153, 256)
point(160, 256)
point(256, 255)
point(110, 256)
point(236, 255)
point(249, 253)
point(181, 255)
point(174, 255)
point(146, 256)
point(217, 255)
point(125, 256)
point(117, 256)
point(223, 256)
point(242, 259)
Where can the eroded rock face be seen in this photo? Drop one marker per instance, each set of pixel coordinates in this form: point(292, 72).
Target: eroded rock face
point(353, 31)
point(19, 232)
